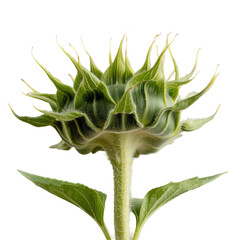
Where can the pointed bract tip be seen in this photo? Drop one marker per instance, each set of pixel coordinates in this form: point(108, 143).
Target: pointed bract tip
point(198, 51)
point(25, 174)
point(217, 109)
point(124, 36)
point(71, 77)
point(75, 52)
point(216, 70)
point(156, 37)
point(175, 36)
point(37, 109)
point(157, 50)
point(84, 47)
point(10, 107)
point(57, 41)
point(12, 111)
point(29, 86)
point(33, 56)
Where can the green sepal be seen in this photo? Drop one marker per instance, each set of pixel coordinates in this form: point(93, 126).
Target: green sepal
point(94, 99)
point(185, 103)
point(157, 197)
point(123, 117)
point(149, 99)
point(173, 87)
point(78, 79)
point(70, 116)
point(78, 66)
point(58, 84)
point(89, 200)
point(90, 85)
point(147, 64)
point(128, 68)
point(116, 91)
point(62, 145)
point(174, 63)
point(155, 73)
point(63, 116)
point(63, 100)
point(125, 105)
point(194, 124)
point(110, 52)
point(48, 98)
point(116, 71)
point(40, 121)
point(188, 76)
point(93, 68)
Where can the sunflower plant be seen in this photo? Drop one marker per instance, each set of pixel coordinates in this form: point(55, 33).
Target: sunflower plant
point(126, 114)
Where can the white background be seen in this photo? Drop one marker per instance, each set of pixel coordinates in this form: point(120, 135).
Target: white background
point(28, 212)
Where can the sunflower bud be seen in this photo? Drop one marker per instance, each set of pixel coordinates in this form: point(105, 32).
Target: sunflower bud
point(99, 105)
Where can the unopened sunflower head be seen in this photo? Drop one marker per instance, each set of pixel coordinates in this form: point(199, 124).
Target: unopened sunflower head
point(144, 105)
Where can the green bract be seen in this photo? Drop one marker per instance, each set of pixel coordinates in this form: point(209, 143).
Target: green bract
point(99, 105)
point(125, 114)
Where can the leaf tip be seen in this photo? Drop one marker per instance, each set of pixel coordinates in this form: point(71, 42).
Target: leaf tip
point(25, 174)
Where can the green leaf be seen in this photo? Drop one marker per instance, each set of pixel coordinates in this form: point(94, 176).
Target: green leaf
point(89, 200)
point(62, 145)
point(40, 121)
point(157, 197)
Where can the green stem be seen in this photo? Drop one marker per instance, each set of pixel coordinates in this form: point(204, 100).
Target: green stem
point(121, 155)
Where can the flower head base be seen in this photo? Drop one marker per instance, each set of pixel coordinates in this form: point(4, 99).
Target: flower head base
point(143, 106)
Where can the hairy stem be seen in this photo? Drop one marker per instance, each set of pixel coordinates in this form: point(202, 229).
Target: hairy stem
point(121, 155)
